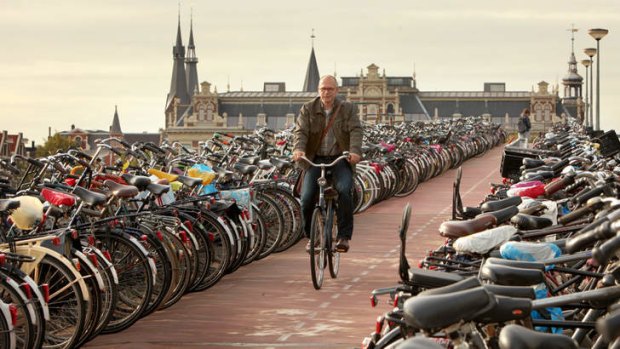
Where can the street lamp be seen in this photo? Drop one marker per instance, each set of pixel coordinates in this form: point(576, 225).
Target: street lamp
point(590, 52)
point(586, 63)
point(598, 34)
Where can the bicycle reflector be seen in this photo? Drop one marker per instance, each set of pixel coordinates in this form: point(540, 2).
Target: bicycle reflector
point(26, 289)
point(76, 263)
point(13, 311)
point(379, 324)
point(395, 302)
point(322, 181)
point(373, 301)
point(107, 255)
point(45, 289)
point(56, 240)
point(2, 258)
point(93, 259)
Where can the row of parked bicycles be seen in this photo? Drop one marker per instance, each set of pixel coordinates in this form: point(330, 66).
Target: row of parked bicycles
point(90, 243)
point(535, 265)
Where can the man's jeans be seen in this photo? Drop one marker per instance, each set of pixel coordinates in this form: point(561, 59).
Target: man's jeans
point(342, 181)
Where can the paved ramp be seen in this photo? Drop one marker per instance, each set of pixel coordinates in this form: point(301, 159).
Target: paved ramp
point(272, 304)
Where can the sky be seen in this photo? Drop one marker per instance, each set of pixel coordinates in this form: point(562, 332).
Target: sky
point(70, 62)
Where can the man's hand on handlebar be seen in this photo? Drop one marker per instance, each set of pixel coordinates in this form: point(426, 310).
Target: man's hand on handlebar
point(354, 158)
point(297, 154)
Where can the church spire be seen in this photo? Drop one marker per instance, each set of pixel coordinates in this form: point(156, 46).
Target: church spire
point(178, 83)
point(115, 129)
point(191, 62)
point(311, 83)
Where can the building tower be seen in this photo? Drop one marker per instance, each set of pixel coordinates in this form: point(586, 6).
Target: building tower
point(115, 128)
point(573, 82)
point(311, 83)
point(178, 83)
point(191, 62)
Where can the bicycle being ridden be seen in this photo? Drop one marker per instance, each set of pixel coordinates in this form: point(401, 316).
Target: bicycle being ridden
point(324, 228)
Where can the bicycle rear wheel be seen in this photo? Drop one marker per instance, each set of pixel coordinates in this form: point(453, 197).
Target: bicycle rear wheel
point(317, 248)
point(331, 232)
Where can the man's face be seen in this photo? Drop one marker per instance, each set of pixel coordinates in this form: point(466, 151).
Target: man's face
point(328, 89)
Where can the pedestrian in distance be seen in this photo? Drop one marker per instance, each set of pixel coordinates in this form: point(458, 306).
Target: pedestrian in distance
point(325, 128)
point(524, 126)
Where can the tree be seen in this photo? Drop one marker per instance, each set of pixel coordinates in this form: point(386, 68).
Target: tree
point(54, 144)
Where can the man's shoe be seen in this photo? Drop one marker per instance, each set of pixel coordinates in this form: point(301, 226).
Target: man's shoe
point(317, 245)
point(342, 245)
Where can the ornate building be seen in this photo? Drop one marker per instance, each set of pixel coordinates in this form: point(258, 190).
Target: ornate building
point(193, 114)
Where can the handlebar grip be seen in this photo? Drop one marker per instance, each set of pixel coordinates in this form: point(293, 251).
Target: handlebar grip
point(115, 151)
point(583, 197)
point(125, 144)
point(11, 168)
point(153, 148)
point(83, 155)
point(34, 162)
point(557, 167)
point(607, 250)
point(602, 231)
point(573, 216)
point(559, 184)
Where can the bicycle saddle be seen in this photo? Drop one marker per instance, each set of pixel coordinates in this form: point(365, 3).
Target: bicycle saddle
point(497, 205)
point(515, 336)
point(121, 190)
point(157, 189)
point(264, 164)
point(141, 182)
point(528, 222)
point(8, 204)
point(505, 275)
point(531, 163)
point(436, 312)
point(432, 279)
point(189, 181)
point(245, 168)
point(90, 197)
point(281, 164)
point(249, 160)
point(516, 263)
point(457, 229)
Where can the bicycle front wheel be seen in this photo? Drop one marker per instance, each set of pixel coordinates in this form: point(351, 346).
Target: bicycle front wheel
point(317, 248)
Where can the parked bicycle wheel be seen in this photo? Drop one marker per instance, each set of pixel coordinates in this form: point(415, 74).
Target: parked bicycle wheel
point(66, 304)
point(135, 278)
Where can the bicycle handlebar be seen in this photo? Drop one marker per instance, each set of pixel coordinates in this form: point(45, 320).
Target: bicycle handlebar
point(345, 155)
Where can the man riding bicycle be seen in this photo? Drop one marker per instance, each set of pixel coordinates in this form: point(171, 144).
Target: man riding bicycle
point(326, 127)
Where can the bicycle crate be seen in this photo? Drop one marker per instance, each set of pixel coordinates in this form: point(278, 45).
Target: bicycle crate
point(610, 145)
point(512, 159)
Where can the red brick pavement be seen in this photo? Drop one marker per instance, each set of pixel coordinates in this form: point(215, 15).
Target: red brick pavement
point(272, 304)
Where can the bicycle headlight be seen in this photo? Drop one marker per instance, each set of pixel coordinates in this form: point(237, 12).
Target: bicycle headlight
point(322, 181)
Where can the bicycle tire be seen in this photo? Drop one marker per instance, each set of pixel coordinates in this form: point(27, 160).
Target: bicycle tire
point(317, 258)
point(273, 222)
point(110, 296)
point(331, 233)
point(67, 308)
point(7, 335)
point(135, 278)
point(24, 328)
point(219, 250)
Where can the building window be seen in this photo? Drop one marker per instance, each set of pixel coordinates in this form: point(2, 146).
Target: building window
point(201, 112)
point(210, 112)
